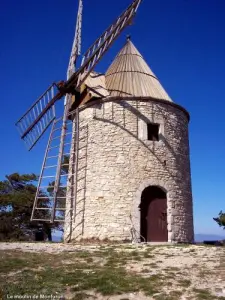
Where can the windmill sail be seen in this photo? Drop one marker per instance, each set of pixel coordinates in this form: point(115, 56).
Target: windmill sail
point(101, 45)
point(30, 124)
point(76, 48)
point(42, 104)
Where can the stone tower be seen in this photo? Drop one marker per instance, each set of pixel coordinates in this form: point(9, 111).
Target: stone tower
point(133, 180)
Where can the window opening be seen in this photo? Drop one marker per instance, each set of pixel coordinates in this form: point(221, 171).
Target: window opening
point(153, 132)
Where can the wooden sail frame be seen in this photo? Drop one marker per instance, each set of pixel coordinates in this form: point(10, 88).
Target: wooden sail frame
point(90, 59)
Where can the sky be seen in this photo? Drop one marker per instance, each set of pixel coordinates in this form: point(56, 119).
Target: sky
point(183, 41)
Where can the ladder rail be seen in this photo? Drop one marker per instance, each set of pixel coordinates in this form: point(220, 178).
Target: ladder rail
point(59, 196)
point(77, 134)
point(42, 171)
point(60, 161)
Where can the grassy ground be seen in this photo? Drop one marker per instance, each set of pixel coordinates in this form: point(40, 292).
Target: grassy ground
point(108, 270)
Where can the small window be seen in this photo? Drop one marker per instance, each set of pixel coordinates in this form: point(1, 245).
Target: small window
point(153, 132)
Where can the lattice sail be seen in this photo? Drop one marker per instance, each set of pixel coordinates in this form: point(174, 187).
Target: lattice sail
point(31, 115)
point(76, 48)
point(30, 125)
point(101, 45)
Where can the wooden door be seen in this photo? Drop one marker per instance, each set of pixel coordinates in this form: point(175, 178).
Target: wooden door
point(157, 221)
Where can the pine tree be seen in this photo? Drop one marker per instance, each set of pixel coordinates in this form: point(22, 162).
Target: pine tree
point(17, 194)
point(220, 220)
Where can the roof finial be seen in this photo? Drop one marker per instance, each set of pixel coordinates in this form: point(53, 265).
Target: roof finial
point(128, 37)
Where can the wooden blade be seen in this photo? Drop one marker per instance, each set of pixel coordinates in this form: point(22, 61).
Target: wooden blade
point(38, 117)
point(76, 48)
point(101, 45)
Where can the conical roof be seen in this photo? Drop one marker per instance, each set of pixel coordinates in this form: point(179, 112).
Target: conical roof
point(129, 75)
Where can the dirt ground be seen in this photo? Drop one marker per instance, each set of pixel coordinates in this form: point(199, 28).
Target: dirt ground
point(114, 272)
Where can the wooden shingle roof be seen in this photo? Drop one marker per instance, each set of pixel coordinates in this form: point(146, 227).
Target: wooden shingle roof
point(129, 75)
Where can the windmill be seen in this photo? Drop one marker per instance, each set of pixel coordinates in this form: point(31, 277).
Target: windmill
point(33, 124)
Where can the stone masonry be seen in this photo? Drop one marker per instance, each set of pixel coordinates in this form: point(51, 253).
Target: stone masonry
point(117, 162)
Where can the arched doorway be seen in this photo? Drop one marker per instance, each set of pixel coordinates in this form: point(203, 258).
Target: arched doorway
point(153, 209)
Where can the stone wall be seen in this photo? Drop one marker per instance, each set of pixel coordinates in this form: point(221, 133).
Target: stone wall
point(117, 162)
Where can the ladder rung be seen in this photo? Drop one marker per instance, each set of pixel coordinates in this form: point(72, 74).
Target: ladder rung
point(71, 185)
point(42, 220)
point(57, 137)
point(68, 164)
point(53, 147)
point(51, 197)
point(69, 153)
point(50, 208)
point(58, 146)
point(47, 167)
point(43, 177)
point(57, 129)
point(58, 155)
point(45, 220)
point(42, 208)
point(46, 186)
point(59, 221)
point(57, 197)
point(52, 156)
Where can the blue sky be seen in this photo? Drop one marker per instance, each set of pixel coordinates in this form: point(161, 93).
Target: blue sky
point(183, 41)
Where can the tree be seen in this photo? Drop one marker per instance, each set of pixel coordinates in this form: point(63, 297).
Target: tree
point(17, 194)
point(220, 220)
